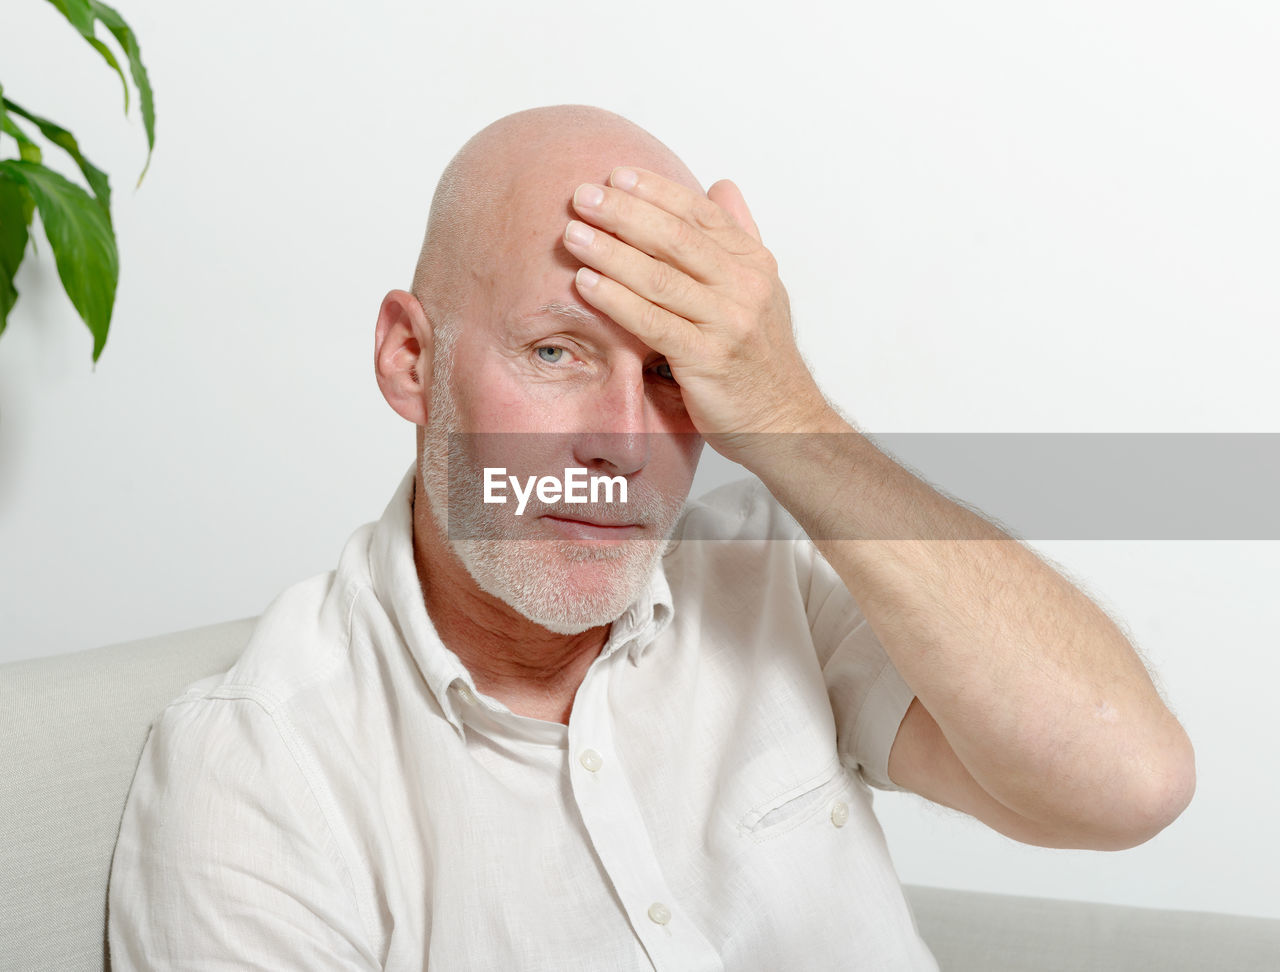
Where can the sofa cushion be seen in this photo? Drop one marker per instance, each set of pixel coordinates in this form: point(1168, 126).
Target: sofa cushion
point(971, 931)
point(71, 730)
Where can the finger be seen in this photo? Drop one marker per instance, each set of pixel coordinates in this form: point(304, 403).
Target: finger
point(728, 197)
point(653, 280)
point(669, 334)
point(684, 203)
point(654, 231)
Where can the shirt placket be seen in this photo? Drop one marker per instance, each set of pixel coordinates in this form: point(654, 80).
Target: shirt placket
point(618, 833)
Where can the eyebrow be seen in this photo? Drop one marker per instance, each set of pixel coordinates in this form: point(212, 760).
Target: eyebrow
point(572, 314)
point(568, 312)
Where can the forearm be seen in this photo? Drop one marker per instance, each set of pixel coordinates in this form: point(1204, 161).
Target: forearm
point(1041, 697)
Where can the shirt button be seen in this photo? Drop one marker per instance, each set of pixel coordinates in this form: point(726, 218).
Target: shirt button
point(659, 913)
point(591, 760)
point(840, 813)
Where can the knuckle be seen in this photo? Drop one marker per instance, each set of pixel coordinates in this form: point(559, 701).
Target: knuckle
point(662, 278)
point(684, 239)
point(739, 321)
point(653, 319)
point(707, 215)
point(758, 288)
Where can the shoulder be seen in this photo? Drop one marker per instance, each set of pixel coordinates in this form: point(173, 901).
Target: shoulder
point(216, 775)
point(226, 845)
point(302, 638)
point(738, 539)
point(739, 535)
point(743, 510)
point(210, 740)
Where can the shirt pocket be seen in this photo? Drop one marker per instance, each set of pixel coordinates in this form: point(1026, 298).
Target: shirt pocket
point(798, 804)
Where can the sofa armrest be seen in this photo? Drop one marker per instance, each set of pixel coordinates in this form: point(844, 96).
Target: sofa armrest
point(72, 729)
point(972, 931)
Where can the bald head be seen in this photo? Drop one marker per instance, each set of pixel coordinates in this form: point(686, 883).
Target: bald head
point(505, 197)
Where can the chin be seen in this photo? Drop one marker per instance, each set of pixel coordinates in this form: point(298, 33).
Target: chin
point(563, 586)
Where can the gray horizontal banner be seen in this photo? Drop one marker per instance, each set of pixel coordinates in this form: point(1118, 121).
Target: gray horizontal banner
point(1093, 486)
point(1035, 486)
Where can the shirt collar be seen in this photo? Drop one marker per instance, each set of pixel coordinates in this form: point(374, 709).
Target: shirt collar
point(395, 583)
point(646, 618)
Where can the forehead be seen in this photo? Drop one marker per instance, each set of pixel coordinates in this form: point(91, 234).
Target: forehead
point(525, 273)
point(532, 187)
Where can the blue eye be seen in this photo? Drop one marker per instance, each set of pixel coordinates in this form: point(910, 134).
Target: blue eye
point(664, 371)
point(549, 354)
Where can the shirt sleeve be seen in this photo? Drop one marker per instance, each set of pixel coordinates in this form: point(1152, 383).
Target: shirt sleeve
point(869, 699)
point(225, 858)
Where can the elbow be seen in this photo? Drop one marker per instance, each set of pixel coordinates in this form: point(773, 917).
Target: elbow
point(1160, 792)
point(1175, 786)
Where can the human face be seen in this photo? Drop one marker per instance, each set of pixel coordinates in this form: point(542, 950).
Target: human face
point(551, 387)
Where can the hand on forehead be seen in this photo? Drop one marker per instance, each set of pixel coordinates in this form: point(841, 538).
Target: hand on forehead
point(687, 274)
point(664, 217)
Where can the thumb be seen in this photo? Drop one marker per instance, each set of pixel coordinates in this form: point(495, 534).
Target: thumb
point(728, 197)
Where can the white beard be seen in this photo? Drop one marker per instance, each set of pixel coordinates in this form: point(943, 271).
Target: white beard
point(546, 580)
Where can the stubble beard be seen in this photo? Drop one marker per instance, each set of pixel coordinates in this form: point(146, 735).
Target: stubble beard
point(540, 578)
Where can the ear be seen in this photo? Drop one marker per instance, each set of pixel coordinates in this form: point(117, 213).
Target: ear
point(402, 355)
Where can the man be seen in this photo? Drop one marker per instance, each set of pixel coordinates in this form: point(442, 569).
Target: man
point(612, 735)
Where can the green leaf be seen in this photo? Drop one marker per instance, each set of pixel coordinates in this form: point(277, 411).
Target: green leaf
point(84, 246)
point(62, 138)
point(78, 12)
point(82, 19)
point(110, 58)
point(15, 217)
point(83, 16)
point(129, 43)
point(28, 150)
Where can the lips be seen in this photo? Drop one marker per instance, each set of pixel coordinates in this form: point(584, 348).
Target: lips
point(594, 521)
point(579, 528)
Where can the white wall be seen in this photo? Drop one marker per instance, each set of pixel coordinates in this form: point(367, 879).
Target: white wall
point(991, 217)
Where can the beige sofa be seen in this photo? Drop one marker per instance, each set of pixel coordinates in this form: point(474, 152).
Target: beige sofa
point(72, 728)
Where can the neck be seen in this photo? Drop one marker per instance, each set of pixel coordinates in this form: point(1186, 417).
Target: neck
point(533, 671)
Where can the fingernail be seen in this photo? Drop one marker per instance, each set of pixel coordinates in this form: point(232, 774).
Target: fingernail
point(579, 233)
point(587, 277)
point(624, 178)
point(588, 195)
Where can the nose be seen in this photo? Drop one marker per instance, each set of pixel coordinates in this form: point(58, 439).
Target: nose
point(616, 436)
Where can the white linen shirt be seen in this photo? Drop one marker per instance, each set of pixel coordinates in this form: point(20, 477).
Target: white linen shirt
point(345, 798)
